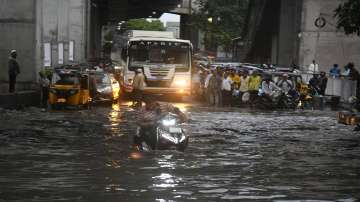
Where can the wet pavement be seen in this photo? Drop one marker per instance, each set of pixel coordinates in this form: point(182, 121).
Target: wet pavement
point(233, 155)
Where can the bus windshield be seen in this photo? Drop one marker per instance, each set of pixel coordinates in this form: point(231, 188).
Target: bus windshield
point(144, 53)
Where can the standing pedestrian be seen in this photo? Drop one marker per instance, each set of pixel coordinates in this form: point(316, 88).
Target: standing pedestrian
point(219, 79)
point(196, 83)
point(335, 71)
point(346, 72)
point(138, 88)
point(354, 75)
point(44, 86)
point(208, 76)
point(244, 85)
point(214, 89)
point(226, 90)
point(14, 70)
point(322, 83)
point(254, 84)
point(313, 67)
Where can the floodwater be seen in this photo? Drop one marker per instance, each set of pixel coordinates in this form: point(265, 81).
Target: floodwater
point(233, 155)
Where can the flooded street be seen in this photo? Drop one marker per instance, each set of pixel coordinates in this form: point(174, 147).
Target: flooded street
point(233, 155)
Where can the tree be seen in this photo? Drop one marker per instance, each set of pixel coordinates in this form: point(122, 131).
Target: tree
point(143, 24)
point(221, 21)
point(348, 16)
point(108, 43)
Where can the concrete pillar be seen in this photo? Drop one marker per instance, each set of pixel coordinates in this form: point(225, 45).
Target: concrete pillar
point(290, 18)
point(25, 25)
point(17, 31)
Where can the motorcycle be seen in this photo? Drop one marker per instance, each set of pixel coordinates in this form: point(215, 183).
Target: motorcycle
point(278, 100)
point(164, 135)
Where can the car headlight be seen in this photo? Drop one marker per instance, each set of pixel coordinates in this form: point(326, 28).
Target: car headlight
point(168, 122)
point(181, 83)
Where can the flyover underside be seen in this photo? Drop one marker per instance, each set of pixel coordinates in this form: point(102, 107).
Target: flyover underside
point(118, 10)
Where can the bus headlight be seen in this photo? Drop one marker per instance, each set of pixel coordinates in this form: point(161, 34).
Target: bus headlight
point(181, 83)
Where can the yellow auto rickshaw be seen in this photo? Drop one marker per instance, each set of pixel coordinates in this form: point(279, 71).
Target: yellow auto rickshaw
point(69, 87)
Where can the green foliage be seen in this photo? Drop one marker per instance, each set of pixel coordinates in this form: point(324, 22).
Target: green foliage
point(228, 20)
point(348, 15)
point(143, 24)
point(108, 43)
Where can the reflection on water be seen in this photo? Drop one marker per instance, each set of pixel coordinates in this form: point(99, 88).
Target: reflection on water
point(165, 180)
point(182, 106)
point(232, 156)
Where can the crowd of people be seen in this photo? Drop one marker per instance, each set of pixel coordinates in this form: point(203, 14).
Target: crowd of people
point(229, 87)
point(348, 72)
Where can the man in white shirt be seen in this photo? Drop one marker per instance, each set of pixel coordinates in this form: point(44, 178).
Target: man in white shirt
point(267, 88)
point(206, 85)
point(313, 67)
point(226, 90)
point(207, 79)
point(285, 83)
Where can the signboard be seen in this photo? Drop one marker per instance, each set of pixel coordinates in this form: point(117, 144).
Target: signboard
point(61, 53)
point(47, 55)
point(165, 44)
point(71, 50)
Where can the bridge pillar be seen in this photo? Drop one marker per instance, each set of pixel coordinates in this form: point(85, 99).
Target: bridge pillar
point(17, 31)
point(46, 33)
point(289, 27)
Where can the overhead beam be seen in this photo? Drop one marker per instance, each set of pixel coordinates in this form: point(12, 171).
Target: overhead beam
point(119, 10)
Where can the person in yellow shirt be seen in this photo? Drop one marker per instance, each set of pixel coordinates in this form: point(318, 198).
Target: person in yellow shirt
point(235, 87)
point(231, 74)
point(254, 84)
point(236, 80)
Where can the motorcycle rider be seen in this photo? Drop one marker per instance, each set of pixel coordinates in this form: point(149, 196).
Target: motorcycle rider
point(285, 83)
point(287, 86)
point(148, 116)
point(268, 87)
point(314, 85)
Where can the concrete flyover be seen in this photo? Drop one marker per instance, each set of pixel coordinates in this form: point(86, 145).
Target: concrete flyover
point(48, 33)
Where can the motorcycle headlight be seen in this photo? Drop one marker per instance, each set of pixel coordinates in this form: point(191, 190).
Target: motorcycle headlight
point(168, 122)
point(168, 137)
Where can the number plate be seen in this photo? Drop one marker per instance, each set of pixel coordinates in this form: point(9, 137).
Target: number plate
point(175, 130)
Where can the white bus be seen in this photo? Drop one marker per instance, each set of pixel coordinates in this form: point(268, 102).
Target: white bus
point(165, 61)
